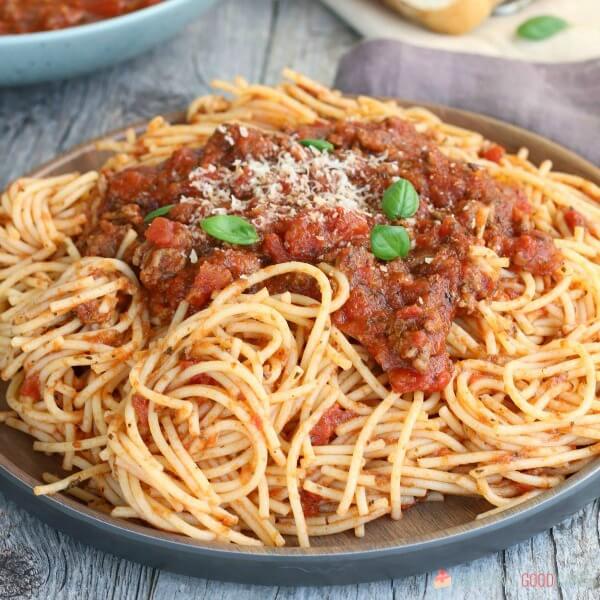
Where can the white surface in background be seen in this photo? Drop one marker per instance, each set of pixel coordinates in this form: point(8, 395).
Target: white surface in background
point(495, 37)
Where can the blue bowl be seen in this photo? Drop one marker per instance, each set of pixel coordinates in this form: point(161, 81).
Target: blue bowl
point(51, 55)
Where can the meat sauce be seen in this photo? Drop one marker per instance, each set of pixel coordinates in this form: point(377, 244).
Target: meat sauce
point(323, 431)
point(141, 408)
point(400, 311)
point(574, 219)
point(311, 503)
point(29, 16)
point(31, 388)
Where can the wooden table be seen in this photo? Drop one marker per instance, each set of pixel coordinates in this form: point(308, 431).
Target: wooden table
point(256, 39)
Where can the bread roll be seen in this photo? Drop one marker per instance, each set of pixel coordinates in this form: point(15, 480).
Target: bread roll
point(446, 16)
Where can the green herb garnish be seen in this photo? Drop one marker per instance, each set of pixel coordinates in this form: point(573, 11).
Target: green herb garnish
point(159, 212)
point(321, 145)
point(400, 200)
point(230, 228)
point(541, 28)
point(389, 241)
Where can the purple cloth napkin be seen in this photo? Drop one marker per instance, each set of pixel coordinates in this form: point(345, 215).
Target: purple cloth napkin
point(559, 101)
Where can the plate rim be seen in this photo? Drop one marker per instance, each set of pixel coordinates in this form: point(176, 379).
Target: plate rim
point(459, 533)
point(15, 476)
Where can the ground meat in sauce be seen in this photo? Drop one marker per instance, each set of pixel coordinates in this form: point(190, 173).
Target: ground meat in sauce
point(31, 388)
point(400, 311)
point(92, 313)
point(141, 406)
point(311, 503)
point(324, 430)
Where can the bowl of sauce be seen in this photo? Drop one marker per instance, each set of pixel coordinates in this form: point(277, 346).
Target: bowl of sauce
point(45, 40)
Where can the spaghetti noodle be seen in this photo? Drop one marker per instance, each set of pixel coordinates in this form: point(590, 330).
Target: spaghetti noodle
point(292, 384)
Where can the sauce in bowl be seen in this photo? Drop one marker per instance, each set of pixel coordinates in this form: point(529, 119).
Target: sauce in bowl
point(30, 16)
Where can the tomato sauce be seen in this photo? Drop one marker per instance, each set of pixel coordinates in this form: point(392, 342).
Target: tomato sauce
point(30, 16)
point(141, 407)
point(323, 432)
point(495, 153)
point(311, 503)
point(401, 311)
point(31, 388)
point(574, 219)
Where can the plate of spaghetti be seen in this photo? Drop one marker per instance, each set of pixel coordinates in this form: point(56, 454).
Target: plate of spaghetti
point(296, 337)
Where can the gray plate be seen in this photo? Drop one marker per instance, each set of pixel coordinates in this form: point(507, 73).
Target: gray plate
point(429, 536)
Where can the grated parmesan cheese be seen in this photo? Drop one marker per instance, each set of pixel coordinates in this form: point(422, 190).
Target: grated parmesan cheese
point(298, 178)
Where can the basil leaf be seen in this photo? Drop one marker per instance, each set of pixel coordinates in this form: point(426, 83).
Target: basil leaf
point(230, 228)
point(159, 212)
point(400, 200)
point(542, 27)
point(389, 241)
point(322, 145)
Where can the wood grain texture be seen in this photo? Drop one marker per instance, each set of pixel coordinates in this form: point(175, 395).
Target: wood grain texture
point(254, 38)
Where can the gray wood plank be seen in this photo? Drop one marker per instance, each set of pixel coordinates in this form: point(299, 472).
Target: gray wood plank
point(577, 554)
point(480, 579)
point(308, 38)
point(39, 562)
point(410, 587)
point(168, 586)
point(529, 562)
